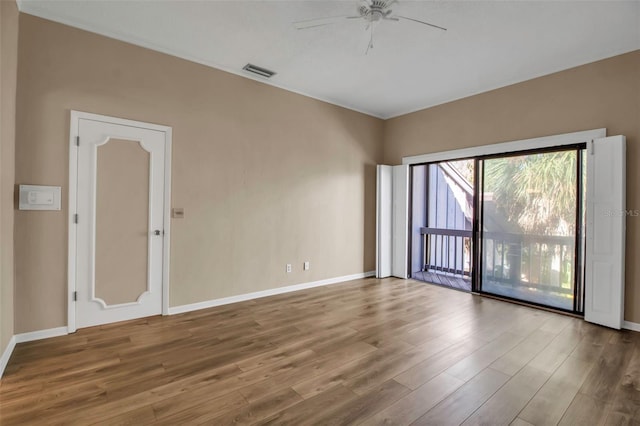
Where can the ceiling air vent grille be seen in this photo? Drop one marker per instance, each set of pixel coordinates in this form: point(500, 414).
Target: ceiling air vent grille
point(262, 72)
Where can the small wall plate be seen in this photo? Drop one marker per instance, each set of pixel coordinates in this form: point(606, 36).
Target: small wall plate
point(39, 197)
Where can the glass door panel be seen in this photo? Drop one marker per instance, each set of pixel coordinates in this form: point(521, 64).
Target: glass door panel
point(529, 226)
point(442, 220)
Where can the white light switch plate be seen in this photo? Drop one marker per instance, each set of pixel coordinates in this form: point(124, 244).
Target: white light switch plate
point(38, 197)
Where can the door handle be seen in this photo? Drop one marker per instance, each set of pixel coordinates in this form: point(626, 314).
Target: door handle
point(157, 232)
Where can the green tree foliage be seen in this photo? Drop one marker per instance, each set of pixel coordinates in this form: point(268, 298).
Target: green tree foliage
point(537, 191)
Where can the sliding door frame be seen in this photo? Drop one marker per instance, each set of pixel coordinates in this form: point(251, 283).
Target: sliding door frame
point(578, 286)
point(508, 147)
point(476, 247)
point(562, 142)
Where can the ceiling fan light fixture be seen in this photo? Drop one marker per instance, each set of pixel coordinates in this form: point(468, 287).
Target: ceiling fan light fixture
point(262, 72)
point(371, 12)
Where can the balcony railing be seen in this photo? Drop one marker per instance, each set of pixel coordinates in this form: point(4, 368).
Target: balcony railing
point(534, 261)
point(447, 250)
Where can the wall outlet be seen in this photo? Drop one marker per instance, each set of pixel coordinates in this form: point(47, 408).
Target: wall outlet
point(288, 267)
point(306, 265)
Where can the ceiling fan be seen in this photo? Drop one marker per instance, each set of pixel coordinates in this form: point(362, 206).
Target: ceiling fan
point(372, 12)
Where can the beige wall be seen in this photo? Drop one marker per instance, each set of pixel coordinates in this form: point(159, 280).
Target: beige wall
point(8, 70)
point(601, 94)
point(266, 177)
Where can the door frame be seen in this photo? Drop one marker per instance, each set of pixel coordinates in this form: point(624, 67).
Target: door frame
point(508, 147)
point(578, 279)
point(547, 143)
point(76, 116)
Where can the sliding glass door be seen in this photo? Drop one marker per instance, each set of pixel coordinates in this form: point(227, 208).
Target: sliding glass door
point(530, 221)
point(508, 225)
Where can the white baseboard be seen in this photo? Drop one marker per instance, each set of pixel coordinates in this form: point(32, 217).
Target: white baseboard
point(4, 360)
point(271, 292)
point(41, 334)
point(628, 325)
point(27, 337)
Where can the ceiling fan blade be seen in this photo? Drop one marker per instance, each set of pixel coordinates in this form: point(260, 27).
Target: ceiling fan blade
point(420, 22)
point(317, 22)
point(308, 27)
point(391, 18)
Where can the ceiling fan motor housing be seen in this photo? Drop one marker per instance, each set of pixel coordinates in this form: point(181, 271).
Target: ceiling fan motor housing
point(374, 10)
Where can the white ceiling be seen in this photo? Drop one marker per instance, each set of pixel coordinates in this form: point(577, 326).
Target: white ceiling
point(489, 44)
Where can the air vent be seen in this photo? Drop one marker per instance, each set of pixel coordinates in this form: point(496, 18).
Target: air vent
point(262, 72)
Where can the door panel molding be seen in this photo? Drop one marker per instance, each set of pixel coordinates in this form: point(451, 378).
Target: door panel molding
point(74, 131)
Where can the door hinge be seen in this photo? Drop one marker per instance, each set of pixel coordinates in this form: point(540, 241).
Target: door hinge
point(75, 296)
point(75, 218)
point(77, 140)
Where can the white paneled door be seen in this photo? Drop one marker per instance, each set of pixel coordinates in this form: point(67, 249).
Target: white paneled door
point(119, 222)
point(606, 221)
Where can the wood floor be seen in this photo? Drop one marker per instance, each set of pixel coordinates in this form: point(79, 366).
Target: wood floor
point(450, 281)
point(364, 352)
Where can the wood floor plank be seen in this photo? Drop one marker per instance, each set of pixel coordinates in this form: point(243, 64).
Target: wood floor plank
point(411, 406)
point(356, 410)
point(310, 410)
point(585, 410)
point(292, 374)
point(421, 373)
point(556, 324)
point(139, 416)
point(519, 422)
point(196, 407)
point(604, 379)
point(594, 339)
point(93, 409)
point(258, 410)
point(623, 412)
point(393, 366)
point(554, 354)
point(511, 362)
point(338, 374)
point(554, 397)
point(472, 364)
point(368, 351)
point(455, 408)
point(503, 407)
point(629, 387)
